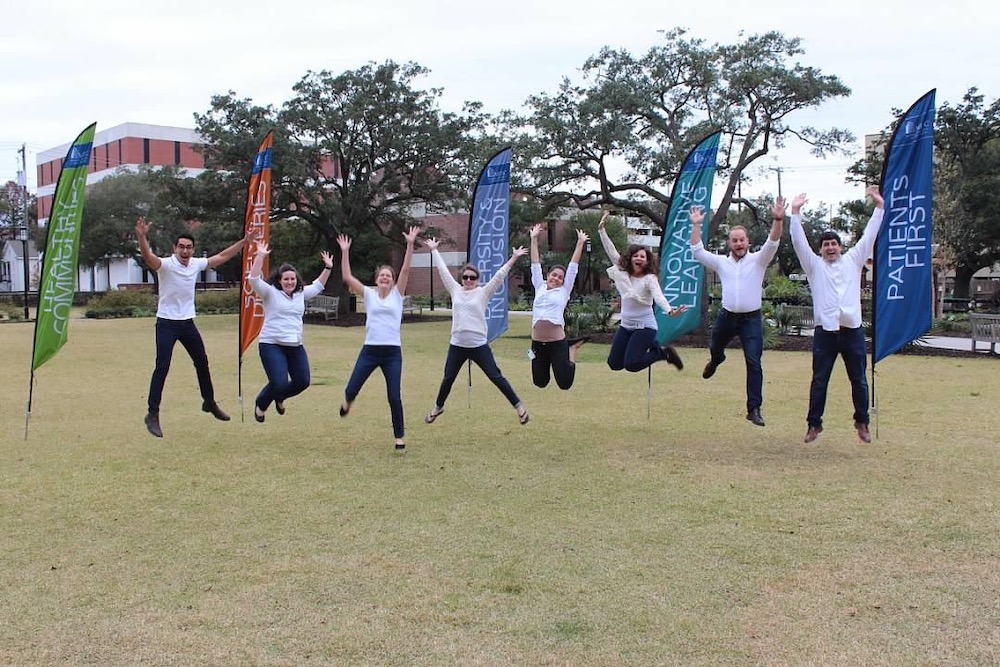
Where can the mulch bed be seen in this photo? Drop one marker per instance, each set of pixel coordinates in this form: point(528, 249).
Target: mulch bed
point(697, 339)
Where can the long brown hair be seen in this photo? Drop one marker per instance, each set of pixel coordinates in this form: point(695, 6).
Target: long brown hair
point(625, 260)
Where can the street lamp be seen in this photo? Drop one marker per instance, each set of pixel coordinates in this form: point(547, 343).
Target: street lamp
point(204, 274)
point(590, 279)
point(22, 236)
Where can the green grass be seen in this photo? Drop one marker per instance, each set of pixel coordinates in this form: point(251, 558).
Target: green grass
point(591, 536)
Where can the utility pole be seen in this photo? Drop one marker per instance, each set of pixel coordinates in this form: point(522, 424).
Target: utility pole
point(23, 232)
point(778, 171)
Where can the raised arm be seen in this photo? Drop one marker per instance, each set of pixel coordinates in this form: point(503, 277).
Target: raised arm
point(404, 271)
point(867, 241)
point(141, 232)
point(327, 267)
point(698, 251)
point(494, 284)
point(447, 279)
point(581, 241)
point(799, 241)
point(777, 218)
point(352, 283)
point(697, 216)
point(263, 250)
point(609, 246)
point(224, 256)
point(534, 233)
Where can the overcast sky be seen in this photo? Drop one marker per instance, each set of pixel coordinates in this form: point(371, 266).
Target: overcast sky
point(67, 64)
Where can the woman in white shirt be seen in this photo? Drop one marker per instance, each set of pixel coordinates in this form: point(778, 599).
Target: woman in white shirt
point(551, 353)
point(469, 331)
point(383, 318)
point(280, 342)
point(635, 276)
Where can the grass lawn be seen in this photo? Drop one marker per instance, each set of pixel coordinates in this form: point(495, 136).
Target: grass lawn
point(591, 536)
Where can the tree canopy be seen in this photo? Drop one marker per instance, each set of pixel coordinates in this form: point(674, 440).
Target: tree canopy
point(619, 137)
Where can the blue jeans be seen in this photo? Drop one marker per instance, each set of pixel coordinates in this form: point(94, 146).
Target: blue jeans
point(552, 356)
point(633, 350)
point(850, 344)
point(390, 359)
point(287, 369)
point(169, 332)
point(483, 356)
point(750, 328)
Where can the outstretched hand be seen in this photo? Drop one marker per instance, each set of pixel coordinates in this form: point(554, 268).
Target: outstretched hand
point(141, 227)
point(582, 236)
point(778, 212)
point(604, 219)
point(797, 203)
point(697, 214)
point(263, 248)
point(344, 241)
point(411, 234)
point(872, 191)
point(519, 251)
point(327, 259)
point(680, 310)
point(535, 231)
point(432, 243)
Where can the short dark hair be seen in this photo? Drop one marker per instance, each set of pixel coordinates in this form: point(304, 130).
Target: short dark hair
point(184, 235)
point(276, 277)
point(556, 266)
point(830, 235)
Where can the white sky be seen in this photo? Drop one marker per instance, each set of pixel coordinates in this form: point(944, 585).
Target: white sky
point(67, 64)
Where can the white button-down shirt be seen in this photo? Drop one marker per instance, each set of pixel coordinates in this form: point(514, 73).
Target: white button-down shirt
point(742, 279)
point(836, 286)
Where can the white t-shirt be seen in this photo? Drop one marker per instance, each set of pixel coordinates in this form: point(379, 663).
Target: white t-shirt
point(177, 283)
point(550, 304)
point(383, 317)
point(283, 313)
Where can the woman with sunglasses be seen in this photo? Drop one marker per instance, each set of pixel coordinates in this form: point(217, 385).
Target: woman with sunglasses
point(634, 274)
point(383, 319)
point(468, 329)
point(551, 353)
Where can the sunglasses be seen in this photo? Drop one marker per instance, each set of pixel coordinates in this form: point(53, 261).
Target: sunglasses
point(469, 276)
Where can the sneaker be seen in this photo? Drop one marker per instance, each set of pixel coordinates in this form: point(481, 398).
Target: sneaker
point(213, 407)
point(153, 424)
point(812, 433)
point(864, 435)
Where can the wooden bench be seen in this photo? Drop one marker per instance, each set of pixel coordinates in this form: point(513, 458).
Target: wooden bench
point(324, 305)
point(410, 307)
point(985, 328)
point(802, 316)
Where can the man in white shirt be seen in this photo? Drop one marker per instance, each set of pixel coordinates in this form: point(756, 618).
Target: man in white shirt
point(741, 273)
point(835, 282)
point(178, 276)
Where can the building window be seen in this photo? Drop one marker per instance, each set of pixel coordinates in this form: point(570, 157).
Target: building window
point(145, 151)
point(177, 152)
point(4, 272)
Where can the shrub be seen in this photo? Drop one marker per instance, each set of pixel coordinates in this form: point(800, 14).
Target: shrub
point(9, 311)
point(591, 315)
point(122, 303)
point(218, 302)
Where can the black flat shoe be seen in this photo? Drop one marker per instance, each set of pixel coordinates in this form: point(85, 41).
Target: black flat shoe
point(279, 407)
point(216, 411)
point(258, 416)
point(344, 410)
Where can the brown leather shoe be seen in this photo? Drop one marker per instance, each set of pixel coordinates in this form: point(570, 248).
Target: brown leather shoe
point(812, 433)
point(864, 435)
point(216, 411)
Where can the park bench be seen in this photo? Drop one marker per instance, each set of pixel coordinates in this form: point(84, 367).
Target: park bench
point(802, 317)
point(410, 307)
point(985, 327)
point(324, 305)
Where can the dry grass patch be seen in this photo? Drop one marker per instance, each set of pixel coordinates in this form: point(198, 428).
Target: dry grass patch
point(591, 536)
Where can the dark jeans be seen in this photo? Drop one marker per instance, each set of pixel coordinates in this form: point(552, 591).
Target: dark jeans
point(483, 356)
point(552, 356)
point(850, 344)
point(390, 359)
point(750, 329)
point(631, 350)
point(287, 369)
point(169, 332)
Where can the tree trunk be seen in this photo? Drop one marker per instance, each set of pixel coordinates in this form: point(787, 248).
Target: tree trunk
point(963, 281)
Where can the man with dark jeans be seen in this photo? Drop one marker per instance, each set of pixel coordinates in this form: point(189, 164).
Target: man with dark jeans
point(178, 276)
point(835, 282)
point(742, 276)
